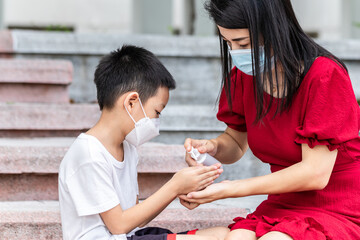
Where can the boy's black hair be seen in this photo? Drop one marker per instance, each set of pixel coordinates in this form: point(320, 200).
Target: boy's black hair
point(130, 69)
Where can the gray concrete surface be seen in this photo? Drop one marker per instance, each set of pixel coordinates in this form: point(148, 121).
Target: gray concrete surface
point(193, 61)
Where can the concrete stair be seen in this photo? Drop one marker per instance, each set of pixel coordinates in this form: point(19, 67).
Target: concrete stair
point(51, 120)
point(29, 167)
point(41, 220)
point(38, 124)
point(35, 80)
point(28, 172)
point(193, 61)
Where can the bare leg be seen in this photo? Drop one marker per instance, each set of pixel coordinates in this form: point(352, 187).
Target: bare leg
point(276, 236)
point(216, 233)
point(194, 237)
point(241, 234)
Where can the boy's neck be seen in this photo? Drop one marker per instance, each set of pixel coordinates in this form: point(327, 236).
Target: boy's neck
point(109, 132)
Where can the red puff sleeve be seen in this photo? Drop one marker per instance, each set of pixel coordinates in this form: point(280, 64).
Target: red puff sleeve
point(234, 118)
point(331, 113)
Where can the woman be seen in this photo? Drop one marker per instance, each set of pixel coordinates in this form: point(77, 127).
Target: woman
point(292, 102)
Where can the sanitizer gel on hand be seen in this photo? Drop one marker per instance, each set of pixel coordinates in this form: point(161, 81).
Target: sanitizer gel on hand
point(204, 158)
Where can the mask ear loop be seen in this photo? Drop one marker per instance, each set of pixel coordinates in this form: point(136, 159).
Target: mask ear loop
point(130, 114)
point(142, 108)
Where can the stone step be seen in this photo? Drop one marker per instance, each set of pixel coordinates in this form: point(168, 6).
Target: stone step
point(193, 61)
point(35, 80)
point(41, 220)
point(29, 167)
point(42, 120)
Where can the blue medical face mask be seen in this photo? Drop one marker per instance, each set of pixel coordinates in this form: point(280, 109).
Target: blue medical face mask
point(242, 59)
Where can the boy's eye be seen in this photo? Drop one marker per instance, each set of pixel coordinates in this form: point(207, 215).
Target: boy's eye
point(158, 113)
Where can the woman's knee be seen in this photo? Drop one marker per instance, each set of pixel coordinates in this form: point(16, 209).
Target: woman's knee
point(241, 234)
point(221, 232)
point(276, 236)
point(216, 232)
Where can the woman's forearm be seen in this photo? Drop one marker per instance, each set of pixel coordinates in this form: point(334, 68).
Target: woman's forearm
point(296, 178)
point(230, 147)
point(312, 173)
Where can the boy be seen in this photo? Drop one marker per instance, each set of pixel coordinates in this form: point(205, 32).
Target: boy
point(98, 190)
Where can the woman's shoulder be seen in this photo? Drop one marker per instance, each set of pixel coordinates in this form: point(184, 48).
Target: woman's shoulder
point(326, 69)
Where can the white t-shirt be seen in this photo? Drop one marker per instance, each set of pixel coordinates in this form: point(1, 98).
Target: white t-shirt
point(92, 181)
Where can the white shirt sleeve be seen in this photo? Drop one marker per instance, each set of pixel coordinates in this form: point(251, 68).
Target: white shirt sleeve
point(92, 190)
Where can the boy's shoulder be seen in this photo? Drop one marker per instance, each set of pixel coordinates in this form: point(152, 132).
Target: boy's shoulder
point(84, 150)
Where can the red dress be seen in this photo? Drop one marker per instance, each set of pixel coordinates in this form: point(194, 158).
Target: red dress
point(324, 112)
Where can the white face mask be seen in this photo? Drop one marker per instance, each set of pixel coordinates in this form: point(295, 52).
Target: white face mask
point(145, 129)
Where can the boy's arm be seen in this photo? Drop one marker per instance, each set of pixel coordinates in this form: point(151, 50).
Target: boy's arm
point(142, 225)
point(186, 180)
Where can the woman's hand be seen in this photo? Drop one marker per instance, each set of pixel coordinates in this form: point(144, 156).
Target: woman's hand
point(195, 178)
point(209, 194)
point(203, 146)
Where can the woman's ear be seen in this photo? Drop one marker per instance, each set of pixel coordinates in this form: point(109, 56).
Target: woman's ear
point(130, 101)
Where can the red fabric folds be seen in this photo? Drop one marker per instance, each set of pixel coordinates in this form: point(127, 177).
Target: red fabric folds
point(324, 111)
point(296, 227)
point(312, 140)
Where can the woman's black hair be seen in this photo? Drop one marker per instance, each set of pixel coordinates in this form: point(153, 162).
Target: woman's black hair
point(272, 23)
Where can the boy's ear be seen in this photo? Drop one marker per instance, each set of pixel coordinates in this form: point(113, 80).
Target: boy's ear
point(130, 100)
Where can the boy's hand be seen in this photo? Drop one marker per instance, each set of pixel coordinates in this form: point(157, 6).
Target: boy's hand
point(188, 205)
point(203, 146)
point(211, 193)
point(195, 178)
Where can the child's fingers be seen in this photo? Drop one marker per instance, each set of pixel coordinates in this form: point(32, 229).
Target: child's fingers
point(211, 174)
point(209, 179)
point(205, 184)
point(202, 170)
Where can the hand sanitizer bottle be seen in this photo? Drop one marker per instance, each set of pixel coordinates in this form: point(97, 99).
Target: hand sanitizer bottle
point(204, 158)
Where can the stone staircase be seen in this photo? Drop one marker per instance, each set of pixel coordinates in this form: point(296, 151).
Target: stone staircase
point(41, 220)
point(45, 81)
point(41, 114)
point(29, 167)
point(38, 124)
